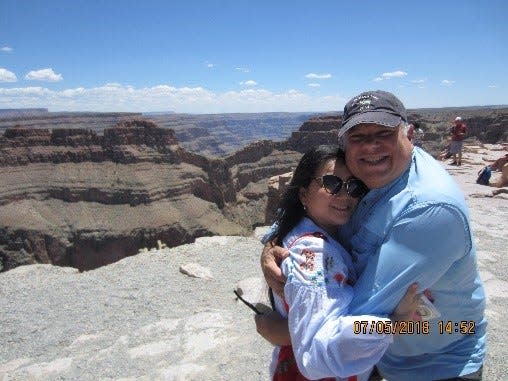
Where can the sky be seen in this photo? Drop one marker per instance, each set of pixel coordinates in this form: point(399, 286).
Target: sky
point(211, 56)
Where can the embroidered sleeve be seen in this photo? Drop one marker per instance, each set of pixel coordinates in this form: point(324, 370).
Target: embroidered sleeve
point(312, 262)
point(318, 296)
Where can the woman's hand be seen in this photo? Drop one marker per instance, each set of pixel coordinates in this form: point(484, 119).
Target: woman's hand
point(406, 309)
point(273, 327)
point(271, 257)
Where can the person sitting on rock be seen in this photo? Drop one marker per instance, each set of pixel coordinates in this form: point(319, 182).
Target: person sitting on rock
point(321, 196)
point(501, 165)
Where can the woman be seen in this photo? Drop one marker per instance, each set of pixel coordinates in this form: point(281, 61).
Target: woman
point(321, 196)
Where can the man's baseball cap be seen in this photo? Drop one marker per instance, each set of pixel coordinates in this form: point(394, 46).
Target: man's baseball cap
point(375, 107)
point(458, 119)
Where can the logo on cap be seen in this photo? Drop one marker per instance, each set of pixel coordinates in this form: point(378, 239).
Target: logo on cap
point(364, 102)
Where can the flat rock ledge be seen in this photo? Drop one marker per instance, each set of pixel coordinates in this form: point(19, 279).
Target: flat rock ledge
point(138, 319)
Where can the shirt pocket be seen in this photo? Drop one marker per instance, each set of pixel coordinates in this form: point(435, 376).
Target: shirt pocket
point(364, 244)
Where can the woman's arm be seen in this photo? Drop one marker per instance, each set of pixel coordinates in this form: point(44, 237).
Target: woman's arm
point(273, 327)
point(327, 341)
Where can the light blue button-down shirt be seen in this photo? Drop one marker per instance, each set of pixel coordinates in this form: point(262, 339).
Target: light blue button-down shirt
point(416, 229)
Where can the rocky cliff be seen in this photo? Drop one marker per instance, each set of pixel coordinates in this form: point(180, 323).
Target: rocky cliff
point(74, 197)
point(223, 134)
point(12, 113)
point(87, 197)
point(485, 125)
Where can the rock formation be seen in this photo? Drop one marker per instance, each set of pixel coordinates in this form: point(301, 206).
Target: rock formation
point(22, 112)
point(223, 134)
point(73, 197)
point(86, 197)
point(41, 118)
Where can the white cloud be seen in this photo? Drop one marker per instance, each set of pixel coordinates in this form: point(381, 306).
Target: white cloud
point(7, 76)
point(394, 74)
point(447, 82)
point(314, 85)
point(492, 86)
point(24, 91)
point(318, 76)
point(420, 83)
point(242, 69)
point(6, 49)
point(390, 75)
point(250, 82)
point(210, 65)
point(47, 75)
point(117, 97)
point(70, 93)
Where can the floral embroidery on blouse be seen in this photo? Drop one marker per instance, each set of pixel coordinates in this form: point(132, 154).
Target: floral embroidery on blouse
point(309, 260)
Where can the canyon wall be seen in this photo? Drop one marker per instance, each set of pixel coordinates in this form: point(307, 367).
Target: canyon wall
point(73, 197)
point(87, 197)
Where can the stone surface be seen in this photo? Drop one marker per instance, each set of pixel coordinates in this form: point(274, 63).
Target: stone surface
point(137, 319)
point(195, 270)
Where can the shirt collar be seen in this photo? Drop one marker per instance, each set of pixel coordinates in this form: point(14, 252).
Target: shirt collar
point(401, 181)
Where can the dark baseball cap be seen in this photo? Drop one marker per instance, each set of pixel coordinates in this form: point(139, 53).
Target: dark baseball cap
point(376, 107)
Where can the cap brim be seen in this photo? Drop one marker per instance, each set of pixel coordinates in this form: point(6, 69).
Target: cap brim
point(371, 117)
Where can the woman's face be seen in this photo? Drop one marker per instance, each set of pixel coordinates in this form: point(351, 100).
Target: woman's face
point(326, 210)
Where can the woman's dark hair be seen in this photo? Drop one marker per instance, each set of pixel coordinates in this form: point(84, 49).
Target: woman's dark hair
point(290, 209)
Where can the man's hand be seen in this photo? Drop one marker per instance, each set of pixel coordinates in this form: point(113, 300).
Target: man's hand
point(271, 257)
point(273, 327)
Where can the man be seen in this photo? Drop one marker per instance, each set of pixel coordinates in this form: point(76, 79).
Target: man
point(412, 226)
point(458, 133)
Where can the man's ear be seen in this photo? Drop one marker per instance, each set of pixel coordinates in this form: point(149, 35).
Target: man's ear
point(410, 132)
point(302, 195)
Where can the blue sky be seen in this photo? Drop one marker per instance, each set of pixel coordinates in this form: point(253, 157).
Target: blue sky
point(249, 56)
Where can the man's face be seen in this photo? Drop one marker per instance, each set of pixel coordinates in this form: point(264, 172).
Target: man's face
point(377, 155)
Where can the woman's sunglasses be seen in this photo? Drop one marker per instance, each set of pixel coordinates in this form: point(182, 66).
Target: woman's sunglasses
point(333, 185)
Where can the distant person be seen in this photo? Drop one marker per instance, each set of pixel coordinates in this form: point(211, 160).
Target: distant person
point(416, 134)
point(501, 165)
point(458, 133)
point(413, 225)
point(321, 196)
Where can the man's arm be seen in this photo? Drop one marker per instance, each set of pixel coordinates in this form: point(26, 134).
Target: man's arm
point(421, 247)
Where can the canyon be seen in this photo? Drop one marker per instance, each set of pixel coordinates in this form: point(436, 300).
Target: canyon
point(88, 197)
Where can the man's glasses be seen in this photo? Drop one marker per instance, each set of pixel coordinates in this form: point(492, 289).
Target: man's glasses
point(333, 185)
